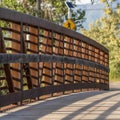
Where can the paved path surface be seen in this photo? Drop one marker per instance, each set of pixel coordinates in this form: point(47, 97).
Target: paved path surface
point(115, 86)
point(103, 105)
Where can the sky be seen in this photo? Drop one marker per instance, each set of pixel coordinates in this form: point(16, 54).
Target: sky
point(89, 1)
point(83, 1)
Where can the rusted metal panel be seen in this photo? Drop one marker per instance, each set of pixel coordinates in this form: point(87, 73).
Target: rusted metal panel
point(25, 66)
point(47, 49)
point(6, 66)
point(34, 38)
point(58, 67)
point(77, 68)
point(68, 46)
point(16, 46)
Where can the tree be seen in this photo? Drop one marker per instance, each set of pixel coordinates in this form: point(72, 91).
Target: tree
point(53, 10)
point(25, 6)
point(78, 17)
point(106, 31)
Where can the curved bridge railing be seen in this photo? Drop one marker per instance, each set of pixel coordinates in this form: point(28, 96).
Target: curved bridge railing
point(39, 58)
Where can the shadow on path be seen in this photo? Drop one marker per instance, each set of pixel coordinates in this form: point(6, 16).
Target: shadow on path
point(49, 106)
point(88, 106)
point(108, 112)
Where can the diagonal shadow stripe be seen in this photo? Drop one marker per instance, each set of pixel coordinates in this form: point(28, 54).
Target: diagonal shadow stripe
point(50, 106)
point(71, 116)
point(104, 115)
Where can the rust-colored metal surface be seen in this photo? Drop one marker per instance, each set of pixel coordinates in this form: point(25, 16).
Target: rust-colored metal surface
point(40, 58)
point(6, 67)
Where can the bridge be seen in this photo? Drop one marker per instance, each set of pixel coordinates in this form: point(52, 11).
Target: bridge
point(39, 60)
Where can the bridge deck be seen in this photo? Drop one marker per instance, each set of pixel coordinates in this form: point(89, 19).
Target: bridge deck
point(98, 105)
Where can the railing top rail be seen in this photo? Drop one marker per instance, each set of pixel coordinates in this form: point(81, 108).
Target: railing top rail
point(26, 58)
point(13, 16)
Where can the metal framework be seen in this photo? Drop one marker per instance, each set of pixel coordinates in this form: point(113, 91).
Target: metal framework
point(38, 58)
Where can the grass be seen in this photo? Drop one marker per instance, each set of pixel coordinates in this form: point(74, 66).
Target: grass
point(115, 80)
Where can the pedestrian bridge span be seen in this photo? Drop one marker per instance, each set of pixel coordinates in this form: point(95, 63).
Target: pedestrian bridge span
point(40, 59)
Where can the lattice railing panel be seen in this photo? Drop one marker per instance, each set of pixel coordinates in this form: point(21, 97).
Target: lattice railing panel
point(48, 59)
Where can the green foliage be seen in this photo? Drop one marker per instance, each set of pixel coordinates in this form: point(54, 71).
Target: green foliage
point(59, 10)
point(79, 17)
point(13, 4)
point(53, 10)
point(106, 31)
point(25, 6)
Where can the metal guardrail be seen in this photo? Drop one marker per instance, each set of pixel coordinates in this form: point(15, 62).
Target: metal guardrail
point(38, 57)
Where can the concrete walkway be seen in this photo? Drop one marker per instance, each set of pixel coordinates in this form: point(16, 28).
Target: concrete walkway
point(115, 86)
point(98, 105)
